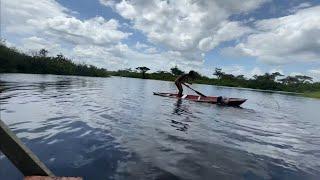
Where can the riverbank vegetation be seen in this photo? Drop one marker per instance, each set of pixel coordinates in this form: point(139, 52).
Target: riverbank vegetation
point(14, 61)
point(315, 94)
point(268, 81)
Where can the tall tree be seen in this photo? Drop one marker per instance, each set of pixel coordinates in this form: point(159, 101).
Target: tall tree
point(240, 77)
point(303, 78)
point(297, 79)
point(176, 71)
point(43, 52)
point(275, 75)
point(143, 70)
point(218, 72)
point(289, 80)
point(267, 76)
point(60, 56)
point(197, 75)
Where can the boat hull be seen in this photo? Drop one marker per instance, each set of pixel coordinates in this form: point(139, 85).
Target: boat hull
point(207, 99)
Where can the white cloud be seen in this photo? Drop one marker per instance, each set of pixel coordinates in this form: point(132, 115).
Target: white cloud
point(300, 6)
point(255, 71)
point(140, 45)
point(96, 30)
point(276, 70)
point(34, 44)
point(178, 32)
point(17, 14)
point(7, 43)
point(151, 50)
point(121, 56)
point(127, 10)
point(107, 57)
point(295, 73)
point(232, 52)
point(48, 18)
point(226, 32)
point(289, 39)
point(47, 24)
point(181, 25)
point(315, 73)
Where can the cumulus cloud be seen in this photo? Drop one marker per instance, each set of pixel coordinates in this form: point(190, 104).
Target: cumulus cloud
point(185, 26)
point(151, 50)
point(17, 14)
point(35, 43)
point(182, 24)
point(232, 52)
point(47, 17)
point(47, 24)
point(315, 73)
point(96, 30)
point(289, 39)
point(255, 71)
point(146, 48)
point(121, 56)
point(177, 32)
point(300, 6)
point(140, 45)
point(277, 70)
point(226, 32)
point(102, 56)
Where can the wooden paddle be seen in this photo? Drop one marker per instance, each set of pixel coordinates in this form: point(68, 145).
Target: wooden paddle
point(194, 90)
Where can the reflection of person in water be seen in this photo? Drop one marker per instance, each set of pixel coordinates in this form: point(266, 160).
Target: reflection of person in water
point(180, 111)
point(177, 108)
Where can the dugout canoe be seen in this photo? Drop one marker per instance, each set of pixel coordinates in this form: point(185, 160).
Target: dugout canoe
point(207, 99)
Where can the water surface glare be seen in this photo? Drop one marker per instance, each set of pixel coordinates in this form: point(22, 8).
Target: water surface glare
point(115, 128)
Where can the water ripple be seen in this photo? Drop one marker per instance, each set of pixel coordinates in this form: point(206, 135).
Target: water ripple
point(114, 128)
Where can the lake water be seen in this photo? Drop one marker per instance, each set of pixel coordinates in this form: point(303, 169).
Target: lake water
point(115, 128)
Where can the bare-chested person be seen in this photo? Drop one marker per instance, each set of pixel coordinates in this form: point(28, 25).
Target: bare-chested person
point(182, 79)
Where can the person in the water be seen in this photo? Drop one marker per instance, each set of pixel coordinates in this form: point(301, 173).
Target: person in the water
point(182, 79)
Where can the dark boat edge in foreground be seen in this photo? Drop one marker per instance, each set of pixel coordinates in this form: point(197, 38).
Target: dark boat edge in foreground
point(207, 99)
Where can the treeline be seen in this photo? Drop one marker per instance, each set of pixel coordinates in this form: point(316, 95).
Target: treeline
point(14, 61)
point(268, 81)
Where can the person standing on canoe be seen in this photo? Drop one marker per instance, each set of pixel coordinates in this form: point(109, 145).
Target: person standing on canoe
point(182, 79)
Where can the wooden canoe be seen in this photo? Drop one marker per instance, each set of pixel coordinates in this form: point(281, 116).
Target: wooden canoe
point(208, 99)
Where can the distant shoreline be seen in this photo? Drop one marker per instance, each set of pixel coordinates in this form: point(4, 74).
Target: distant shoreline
point(231, 87)
point(15, 61)
point(306, 94)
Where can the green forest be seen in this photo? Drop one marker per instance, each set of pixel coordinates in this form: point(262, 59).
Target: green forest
point(14, 61)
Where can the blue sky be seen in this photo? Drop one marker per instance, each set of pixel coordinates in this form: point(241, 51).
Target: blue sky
point(241, 37)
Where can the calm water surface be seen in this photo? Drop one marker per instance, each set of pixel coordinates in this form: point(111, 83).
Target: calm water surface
point(115, 128)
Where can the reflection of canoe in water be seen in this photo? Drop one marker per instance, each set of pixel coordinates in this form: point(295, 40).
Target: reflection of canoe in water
point(207, 99)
